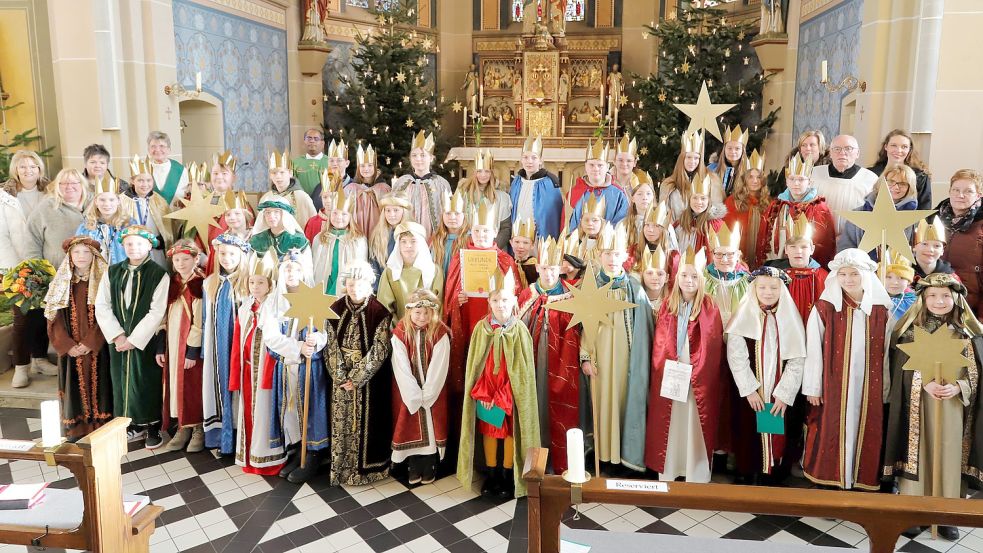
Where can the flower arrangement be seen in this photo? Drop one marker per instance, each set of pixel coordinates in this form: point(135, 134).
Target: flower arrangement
point(26, 284)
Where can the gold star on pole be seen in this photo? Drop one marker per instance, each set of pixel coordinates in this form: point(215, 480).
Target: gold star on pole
point(310, 303)
point(885, 225)
point(936, 351)
point(401, 77)
point(703, 114)
point(199, 213)
point(409, 122)
point(623, 101)
point(590, 306)
point(456, 107)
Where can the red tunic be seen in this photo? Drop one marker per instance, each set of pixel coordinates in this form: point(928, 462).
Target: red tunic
point(806, 287)
point(824, 424)
point(562, 371)
point(189, 402)
point(750, 252)
point(706, 348)
point(314, 225)
point(495, 388)
point(823, 228)
point(410, 429)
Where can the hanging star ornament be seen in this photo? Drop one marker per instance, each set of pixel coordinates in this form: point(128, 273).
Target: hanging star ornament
point(409, 122)
point(199, 213)
point(929, 348)
point(590, 306)
point(456, 107)
point(885, 224)
point(685, 67)
point(310, 305)
point(703, 114)
point(401, 77)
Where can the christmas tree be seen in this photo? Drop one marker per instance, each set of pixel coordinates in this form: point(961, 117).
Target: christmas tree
point(391, 96)
point(700, 45)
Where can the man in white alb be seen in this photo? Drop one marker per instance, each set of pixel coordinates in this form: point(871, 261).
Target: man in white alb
point(844, 183)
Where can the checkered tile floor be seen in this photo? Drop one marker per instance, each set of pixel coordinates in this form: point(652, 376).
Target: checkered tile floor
point(212, 506)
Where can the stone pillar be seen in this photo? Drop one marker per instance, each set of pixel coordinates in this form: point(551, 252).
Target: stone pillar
point(781, 91)
point(454, 30)
point(638, 54)
point(305, 66)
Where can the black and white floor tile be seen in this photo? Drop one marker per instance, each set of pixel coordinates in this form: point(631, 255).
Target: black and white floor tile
point(212, 506)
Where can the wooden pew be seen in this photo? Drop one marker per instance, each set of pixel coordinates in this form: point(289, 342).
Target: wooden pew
point(105, 528)
point(883, 517)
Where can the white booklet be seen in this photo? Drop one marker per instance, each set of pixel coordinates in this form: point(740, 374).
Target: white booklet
point(676, 381)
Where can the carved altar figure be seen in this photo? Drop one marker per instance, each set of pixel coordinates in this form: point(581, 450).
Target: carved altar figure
point(470, 86)
point(563, 89)
point(558, 17)
point(516, 87)
point(615, 89)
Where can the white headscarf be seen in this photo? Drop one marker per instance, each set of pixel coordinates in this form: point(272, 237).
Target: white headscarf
point(424, 258)
point(874, 292)
point(288, 220)
point(746, 322)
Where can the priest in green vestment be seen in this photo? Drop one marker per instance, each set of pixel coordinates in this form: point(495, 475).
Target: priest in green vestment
point(308, 167)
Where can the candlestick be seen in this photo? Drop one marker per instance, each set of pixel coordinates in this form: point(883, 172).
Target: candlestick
point(825, 78)
point(198, 81)
point(474, 103)
point(465, 123)
point(50, 423)
point(563, 125)
point(575, 455)
point(481, 91)
point(499, 124)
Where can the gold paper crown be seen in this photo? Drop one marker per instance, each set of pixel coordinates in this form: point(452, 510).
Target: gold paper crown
point(799, 227)
point(265, 266)
point(455, 202)
point(342, 201)
point(280, 161)
point(593, 205)
point(236, 200)
point(725, 238)
point(658, 214)
point(549, 252)
point(198, 172)
point(424, 142)
point(485, 215)
point(754, 161)
point(798, 168)
point(140, 166)
point(338, 149)
point(411, 227)
point(225, 159)
point(701, 186)
point(364, 155)
point(640, 178)
point(398, 199)
point(613, 237)
point(571, 243)
point(504, 282)
point(696, 259)
point(735, 135)
point(654, 260)
point(898, 264)
point(534, 145)
point(524, 227)
point(483, 160)
point(105, 184)
point(329, 180)
point(692, 142)
point(930, 231)
point(627, 147)
point(597, 150)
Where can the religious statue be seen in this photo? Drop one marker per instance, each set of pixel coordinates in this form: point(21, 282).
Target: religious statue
point(558, 17)
point(771, 17)
point(615, 90)
point(530, 16)
point(470, 86)
point(517, 87)
point(313, 31)
point(563, 89)
point(543, 38)
point(507, 115)
point(594, 78)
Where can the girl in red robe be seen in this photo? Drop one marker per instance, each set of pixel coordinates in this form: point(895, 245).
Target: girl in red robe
point(656, 231)
point(700, 217)
point(681, 435)
point(747, 206)
point(179, 348)
point(421, 350)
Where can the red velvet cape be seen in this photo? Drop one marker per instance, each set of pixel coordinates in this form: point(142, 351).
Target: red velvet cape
point(410, 429)
point(823, 228)
point(189, 401)
point(706, 348)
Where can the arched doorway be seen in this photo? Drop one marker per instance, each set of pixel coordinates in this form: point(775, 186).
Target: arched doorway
point(202, 128)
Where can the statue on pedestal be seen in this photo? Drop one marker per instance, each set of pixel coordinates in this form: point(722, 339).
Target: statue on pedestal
point(615, 90)
point(470, 86)
point(530, 16)
point(517, 87)
point(771, 17)
point(563, 88)
point(313, 31)
point(558, 17)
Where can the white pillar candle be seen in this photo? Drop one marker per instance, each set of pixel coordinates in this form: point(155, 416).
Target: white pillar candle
point(825, 73)
point(198, 81)
point(50, 423)
point(575, 455)
point(499, 124)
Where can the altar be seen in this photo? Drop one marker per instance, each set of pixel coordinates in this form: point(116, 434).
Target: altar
point(567, 162)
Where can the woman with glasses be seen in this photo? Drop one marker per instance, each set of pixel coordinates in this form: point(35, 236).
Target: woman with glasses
point(898, 149)
point(900, 180)
point(963, 220)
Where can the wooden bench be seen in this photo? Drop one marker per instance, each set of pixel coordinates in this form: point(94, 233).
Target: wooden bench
point(105, 527)
point(883, 517)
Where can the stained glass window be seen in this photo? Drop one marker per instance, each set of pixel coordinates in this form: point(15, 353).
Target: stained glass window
point(358, 3)
point(575, 9)
point(517, 10)
point(386, 5)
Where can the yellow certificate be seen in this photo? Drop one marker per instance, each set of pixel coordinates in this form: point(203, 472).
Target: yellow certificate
point(477, 267)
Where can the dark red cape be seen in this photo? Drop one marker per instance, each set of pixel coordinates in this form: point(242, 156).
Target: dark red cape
point(823, 228)
point(410, 429)
point(189, 399)
point(706, 348)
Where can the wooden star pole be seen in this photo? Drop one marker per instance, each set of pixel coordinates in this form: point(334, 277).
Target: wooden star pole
point(945, 354)
point(199, 213)
point(591, 307)
point(310, 303)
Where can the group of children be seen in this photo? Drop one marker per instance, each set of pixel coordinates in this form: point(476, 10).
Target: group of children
point(421, 360)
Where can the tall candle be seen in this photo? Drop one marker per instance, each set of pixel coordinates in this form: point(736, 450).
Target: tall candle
point(198, 81)
point(499, 124)
point(825, 73)
point(50, 423)
point(563, 125)
point(481, 91)
point(575, 455)
point(465, 123)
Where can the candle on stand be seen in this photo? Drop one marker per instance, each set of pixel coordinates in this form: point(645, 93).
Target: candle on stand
point(563, 125)
point(481, 91)
point(465, 123)
point(198, 81)
point(499, 124)
point(50, 423)
point(474, 104)
point(575, 456)
point(825, 71)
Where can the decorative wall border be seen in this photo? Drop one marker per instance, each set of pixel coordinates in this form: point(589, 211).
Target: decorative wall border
point(253, 9)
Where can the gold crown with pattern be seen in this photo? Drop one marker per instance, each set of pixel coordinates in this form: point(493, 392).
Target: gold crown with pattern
point(571, 243)
point(549, 252)
point(485, 214)
point(329, 180)
point(105, 184)
point(657, 259)
point(754, 161)
point(701, 186)
point(798, 227)
point(483, 160)
point(658, 214)
point(696, 259)
point(338, 149)
point(930, 231)
point(365, 155)
point(225, 159)
point(454, 202)
point(396, 199)
point(423, 141)
point(598, 149)
point(198, 172)
point(341, 200)
point(280, 160)
point(613, 237)
point(725, 238)
point(898, 264)
point(533, 144)
point(627, 145)
point(504, 282)
point(692, 142)
point(798, 168)
point(236, 200)
point(735, 134)
point(593, 205)
point(140, 166)
point(525, 228)
point(265, 266)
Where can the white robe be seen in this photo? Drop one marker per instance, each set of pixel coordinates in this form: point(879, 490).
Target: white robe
point(843, 194)
point(260, 453)
point(148, 325)
point(407, 376)
point(350, 249)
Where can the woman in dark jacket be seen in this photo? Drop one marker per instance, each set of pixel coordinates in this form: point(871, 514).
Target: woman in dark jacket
point(898, 148)
point(963, 218)
point(810, 145)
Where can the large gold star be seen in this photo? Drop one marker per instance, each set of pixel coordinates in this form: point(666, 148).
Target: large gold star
point(885, 224)
point(591, 307)
point(310, 304)
point(199, 213)
point(930, 348)
point(703, 114)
